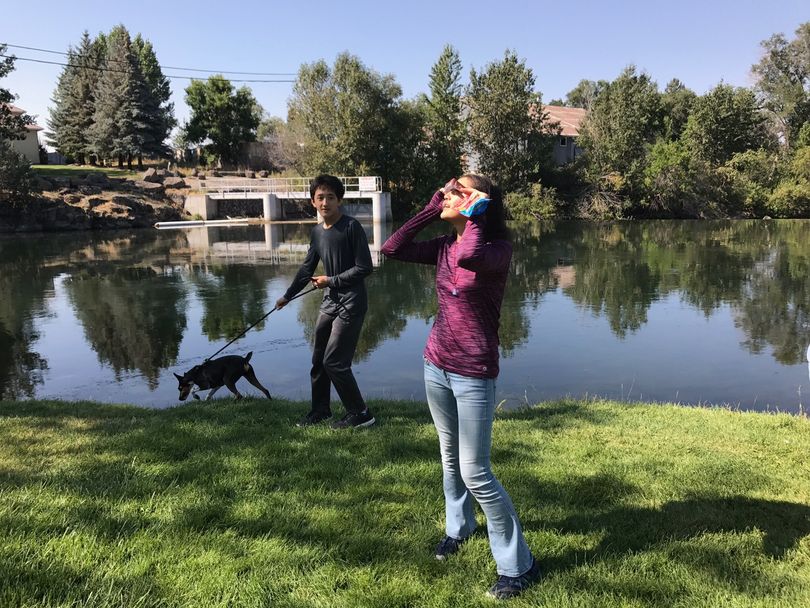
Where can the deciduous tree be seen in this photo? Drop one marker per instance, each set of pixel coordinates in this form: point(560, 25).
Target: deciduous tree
point(221, 117)
point(585, 93)
point(624, 121)
point(783, 80)
point(505, 121)
point(724, 122)
point(12, 126)
point(348, 118)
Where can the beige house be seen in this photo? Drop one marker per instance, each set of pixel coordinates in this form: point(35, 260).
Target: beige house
point(570, 121)
point(29, 146)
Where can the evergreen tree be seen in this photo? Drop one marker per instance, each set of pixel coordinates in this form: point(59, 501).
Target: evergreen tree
point(158, 110)
point(444, 126)
point(74, 98)
point(120, 126)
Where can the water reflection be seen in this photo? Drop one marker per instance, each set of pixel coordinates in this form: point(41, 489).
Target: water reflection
point(276, 243)
point(143, 302)
point(131, 320)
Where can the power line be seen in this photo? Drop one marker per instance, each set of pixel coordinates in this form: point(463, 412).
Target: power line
point(163, 67)
point(106, 69)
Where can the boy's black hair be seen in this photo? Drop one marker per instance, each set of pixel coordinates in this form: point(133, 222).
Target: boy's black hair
point(495, 226)
point(329, 182)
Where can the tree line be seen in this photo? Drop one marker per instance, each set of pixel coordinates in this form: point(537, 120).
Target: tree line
point(732, 152)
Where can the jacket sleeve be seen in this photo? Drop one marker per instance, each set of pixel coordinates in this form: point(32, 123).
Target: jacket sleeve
point(400, 245)
point(475, 254)
point(306, 271)
point(362, 260)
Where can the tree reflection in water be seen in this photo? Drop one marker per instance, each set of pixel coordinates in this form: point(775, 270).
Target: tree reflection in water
point(131, 292)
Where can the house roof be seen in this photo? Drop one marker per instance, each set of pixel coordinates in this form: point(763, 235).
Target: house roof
point(570, 119)
point(19, 111)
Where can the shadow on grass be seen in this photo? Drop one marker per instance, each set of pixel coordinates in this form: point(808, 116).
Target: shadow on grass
point(558, 415)
point(782, 524)
point(208, 460)
point(341, 495)
point(717, 536)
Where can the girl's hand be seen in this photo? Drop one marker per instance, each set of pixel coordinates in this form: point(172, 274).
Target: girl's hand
point(475, 201)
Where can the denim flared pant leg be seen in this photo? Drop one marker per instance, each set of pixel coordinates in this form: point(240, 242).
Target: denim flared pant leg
point(462, 409)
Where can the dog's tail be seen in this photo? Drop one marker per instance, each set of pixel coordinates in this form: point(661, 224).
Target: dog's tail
point(247, 360)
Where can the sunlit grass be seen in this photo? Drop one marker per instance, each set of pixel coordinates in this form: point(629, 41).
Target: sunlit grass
point(229, 504)
point(74, 170)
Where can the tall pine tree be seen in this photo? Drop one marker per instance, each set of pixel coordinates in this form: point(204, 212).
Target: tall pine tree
point(120, 125)
point(157, 108)
point(444, 124)
point(74, 100)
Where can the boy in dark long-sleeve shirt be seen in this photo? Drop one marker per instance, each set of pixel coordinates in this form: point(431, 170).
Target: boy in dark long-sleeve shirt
point(341, 243)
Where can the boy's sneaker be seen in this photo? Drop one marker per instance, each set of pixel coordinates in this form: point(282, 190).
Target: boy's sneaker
point(313, 418)
point(507, 587)
point(355, 421)
point(447, 547)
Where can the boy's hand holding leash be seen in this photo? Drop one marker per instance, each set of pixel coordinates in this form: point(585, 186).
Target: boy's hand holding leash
point(319, 282)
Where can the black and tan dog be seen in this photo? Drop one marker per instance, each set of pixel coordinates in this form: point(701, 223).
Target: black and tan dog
point(215, 374)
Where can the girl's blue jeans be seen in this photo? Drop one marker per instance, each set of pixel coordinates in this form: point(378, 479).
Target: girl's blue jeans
point(463, 409)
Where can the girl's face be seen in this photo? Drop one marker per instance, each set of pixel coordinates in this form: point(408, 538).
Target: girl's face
point(452, 201)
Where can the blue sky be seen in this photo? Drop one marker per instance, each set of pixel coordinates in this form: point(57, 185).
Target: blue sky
point(699, 42)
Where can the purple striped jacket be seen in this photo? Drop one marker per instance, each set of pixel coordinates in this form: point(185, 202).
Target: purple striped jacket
point(470, 282)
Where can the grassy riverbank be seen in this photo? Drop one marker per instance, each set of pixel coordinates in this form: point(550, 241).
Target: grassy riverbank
point(229, 504)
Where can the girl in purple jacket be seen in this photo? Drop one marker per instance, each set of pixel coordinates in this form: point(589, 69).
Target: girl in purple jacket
point(461, 365)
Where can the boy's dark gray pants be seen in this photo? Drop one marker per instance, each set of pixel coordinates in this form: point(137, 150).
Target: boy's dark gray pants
point(335, 342)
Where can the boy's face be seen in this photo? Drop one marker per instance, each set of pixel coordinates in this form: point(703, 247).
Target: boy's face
point(327, 204)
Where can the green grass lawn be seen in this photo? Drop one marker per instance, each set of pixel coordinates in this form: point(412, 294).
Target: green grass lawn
point(75, 170)
point(229, 504)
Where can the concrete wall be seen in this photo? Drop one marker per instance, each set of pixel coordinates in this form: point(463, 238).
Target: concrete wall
point(28, 147)
point(199, 204)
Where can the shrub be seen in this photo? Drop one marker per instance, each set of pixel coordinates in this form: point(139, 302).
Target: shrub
point(790, 199)
point(803, 138)
point(540, 202)
point(752, 175)
point(678, 184)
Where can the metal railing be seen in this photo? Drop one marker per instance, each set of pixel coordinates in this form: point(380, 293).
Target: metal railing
point(285, 184)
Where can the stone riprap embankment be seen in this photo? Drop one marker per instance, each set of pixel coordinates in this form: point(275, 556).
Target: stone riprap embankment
point(93, 201)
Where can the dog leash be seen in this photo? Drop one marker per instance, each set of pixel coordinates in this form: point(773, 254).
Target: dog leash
point(247, 329)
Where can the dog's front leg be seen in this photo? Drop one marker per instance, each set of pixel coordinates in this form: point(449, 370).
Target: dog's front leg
point(211, 394)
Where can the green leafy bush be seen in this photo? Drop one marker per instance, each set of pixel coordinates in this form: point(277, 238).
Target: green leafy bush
point(540, 202)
